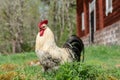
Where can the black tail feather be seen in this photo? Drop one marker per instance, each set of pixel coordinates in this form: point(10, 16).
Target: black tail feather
point(77, 46)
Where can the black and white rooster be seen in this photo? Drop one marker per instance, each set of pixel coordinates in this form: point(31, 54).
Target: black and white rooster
point(50, 55)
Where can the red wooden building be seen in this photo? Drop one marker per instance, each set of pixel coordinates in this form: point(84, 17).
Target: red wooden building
point(98, 21)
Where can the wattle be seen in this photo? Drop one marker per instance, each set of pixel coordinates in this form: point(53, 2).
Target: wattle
point(42, 32)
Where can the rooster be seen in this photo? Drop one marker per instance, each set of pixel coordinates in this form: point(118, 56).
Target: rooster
point(50, 55)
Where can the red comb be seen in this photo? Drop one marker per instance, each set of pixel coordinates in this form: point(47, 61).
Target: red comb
point(42, 22)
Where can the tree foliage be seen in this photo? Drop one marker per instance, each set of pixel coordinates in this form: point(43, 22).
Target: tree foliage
point(18, 23)
point(19, 19)
point(62, 18)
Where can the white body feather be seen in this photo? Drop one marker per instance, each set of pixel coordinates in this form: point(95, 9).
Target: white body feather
point(46, 43)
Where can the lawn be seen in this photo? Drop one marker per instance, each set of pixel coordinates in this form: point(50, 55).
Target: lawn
point(101, 63)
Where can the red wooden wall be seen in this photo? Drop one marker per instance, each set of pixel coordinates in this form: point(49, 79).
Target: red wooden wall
point(114, 16)
point(101, 19)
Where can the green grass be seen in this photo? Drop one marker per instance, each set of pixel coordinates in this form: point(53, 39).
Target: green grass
point(16, 67)
point(101, 63)
point(109, 55)
point(18, 58)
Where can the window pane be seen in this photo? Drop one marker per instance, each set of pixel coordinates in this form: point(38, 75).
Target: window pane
point(109, 3)
point(83, 27)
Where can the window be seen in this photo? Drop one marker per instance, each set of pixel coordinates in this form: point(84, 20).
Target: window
point(83, 26)
point(109, 7)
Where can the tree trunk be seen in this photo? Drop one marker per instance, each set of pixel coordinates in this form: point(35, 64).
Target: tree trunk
point(16, 46)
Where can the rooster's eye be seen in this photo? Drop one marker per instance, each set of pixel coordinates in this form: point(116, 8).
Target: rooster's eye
point(43, 26)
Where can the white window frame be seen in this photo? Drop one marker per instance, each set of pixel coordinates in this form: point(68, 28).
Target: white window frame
point(109, 7)
point(92, 7)
point(83, 21)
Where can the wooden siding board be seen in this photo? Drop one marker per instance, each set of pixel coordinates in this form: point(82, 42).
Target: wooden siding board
point(97, 15)
point(86, 16)
point(79, 10)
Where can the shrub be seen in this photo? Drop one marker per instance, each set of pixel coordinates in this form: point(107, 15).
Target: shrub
point(80, 71)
